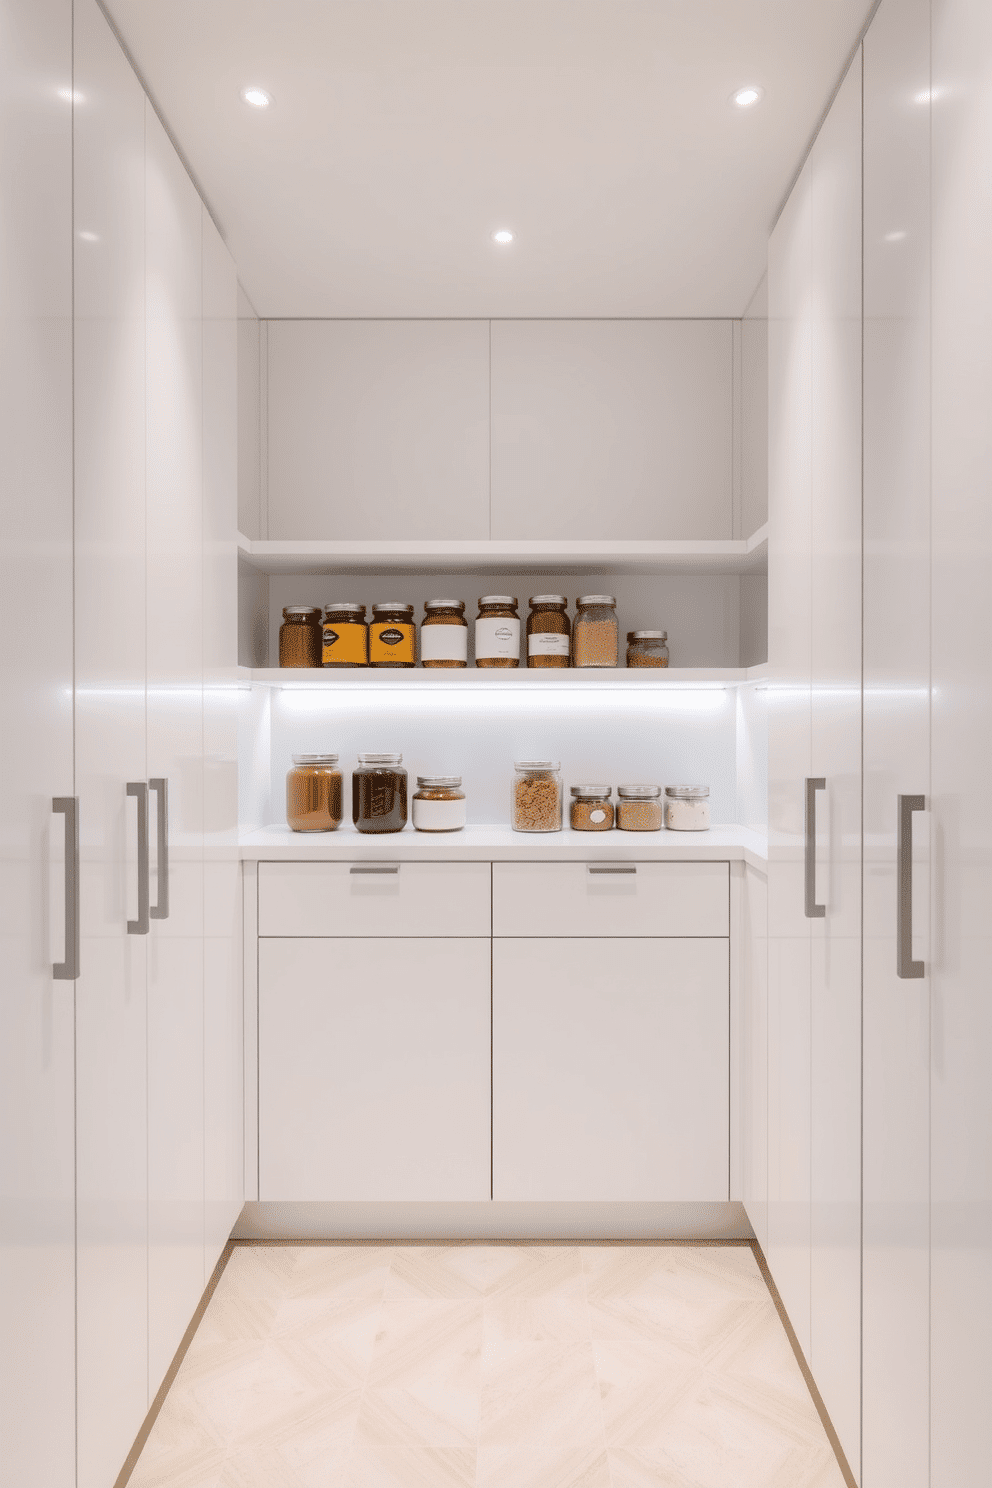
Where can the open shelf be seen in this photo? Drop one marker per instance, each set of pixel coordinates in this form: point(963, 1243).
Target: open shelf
point(743, 556)
point(485, 678)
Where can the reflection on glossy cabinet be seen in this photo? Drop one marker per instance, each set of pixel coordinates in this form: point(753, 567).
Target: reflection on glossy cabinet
point(374, 1069)
point(610, 1062)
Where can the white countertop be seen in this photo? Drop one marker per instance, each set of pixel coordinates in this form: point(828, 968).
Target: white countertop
point(500, 844)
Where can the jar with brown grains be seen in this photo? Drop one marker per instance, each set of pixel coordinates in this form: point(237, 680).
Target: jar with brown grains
point(313, 793)
point(595, 638)
point(439, 804)
point(444, 634)
point(548, 632)
point(392, 635)
point(536, 796)
point(639, 808)
point(301, 636)
point(497, 632)
point(592, 808)
point(647, 648)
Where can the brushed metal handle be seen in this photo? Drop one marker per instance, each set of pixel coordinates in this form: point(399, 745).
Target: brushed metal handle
point(374, 868)
point(68, 806)
point(611, 867)
point(906, 967)
point(139, 789)
point(814, 911)
point(160, 909)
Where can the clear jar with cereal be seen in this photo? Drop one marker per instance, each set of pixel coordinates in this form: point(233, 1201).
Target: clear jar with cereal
point(537, 804)
point(647, 648)
point(591, 809)
point(595, 638)
point(639, 808)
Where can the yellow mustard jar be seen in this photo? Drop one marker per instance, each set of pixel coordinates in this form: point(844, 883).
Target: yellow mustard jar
point(346, 641)
point(392, 636)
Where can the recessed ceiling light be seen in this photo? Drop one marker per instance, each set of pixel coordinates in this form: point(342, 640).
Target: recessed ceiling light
point(257, 97)
point(747, 97)
point(502, 235)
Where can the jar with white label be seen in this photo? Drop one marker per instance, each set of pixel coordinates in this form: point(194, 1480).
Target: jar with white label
point(444, 634)
point(687, 808)
point(592, 808)
point(549, 635)
point(497, 632)
point(439, 804)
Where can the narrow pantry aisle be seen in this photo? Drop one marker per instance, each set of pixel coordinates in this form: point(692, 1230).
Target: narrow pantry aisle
point(522, 1366)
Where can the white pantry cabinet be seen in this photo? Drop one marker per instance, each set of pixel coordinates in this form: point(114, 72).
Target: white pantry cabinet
point(374, 898)
point(610, 1062)
point(374, 1069)
point(37, 1303)
point(611, 899)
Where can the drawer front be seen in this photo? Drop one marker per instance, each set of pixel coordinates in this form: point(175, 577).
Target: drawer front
point(347, 899)
point(581, 899)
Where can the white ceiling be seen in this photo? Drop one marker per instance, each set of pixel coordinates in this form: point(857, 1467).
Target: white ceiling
point(403, 132)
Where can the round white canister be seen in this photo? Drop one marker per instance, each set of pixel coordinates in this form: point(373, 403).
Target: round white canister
point(687, 808)
point(438, 805)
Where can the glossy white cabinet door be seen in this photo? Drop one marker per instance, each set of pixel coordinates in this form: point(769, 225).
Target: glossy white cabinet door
point(789, 748)
point(610, 1070)
point(896, 738)
point(223, 1002)
point(961, 1090)
point(374, 1069)
point(753, 1086)
point(109, 631)
point(174, 569)
point(37, 1301)
point(835, 750)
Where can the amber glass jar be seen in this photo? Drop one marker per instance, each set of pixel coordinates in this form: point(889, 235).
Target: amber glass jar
point(548, 632)
point(392, 636)
point(379, 793)
point(444, 634)
point(346, 636)
point(497, 632)
point(313, 793)
point(594, 634)
point(300, 636)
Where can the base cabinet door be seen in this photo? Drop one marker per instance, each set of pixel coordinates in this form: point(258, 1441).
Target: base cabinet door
point(374, 1069)
point(610, 1070)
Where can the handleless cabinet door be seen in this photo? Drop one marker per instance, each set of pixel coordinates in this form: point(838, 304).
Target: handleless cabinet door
point(374, 1069)
point(896, 1263)
point(109, 627)
point(37, 1304)
point(610, 1062)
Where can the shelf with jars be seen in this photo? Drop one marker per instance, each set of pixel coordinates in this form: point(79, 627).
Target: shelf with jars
point(425, 678)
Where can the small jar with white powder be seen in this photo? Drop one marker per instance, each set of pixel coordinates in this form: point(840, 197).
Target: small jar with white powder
point(687, 808)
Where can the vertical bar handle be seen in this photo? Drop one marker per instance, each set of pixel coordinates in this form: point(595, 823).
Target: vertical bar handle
point(68, 806)
point(906, 967)
point(814, 911)
point(139, 789)
point(160, 909)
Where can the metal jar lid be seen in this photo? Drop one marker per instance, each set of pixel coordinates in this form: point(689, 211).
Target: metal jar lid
point(438, 782)
point(380, 759)
point(555, 599)
point(344, 609)
point(638, 792)
point(537, 764)
point(498, 599)
point(596, 599)
point(302, 610)
point(592, 792)
point(444, 604)
point(392, 607)
point(687, 792)
point(315, 759)
point(647, 635)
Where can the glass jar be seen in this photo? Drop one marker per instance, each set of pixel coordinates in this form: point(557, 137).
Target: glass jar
point(392, 636)
point(444, 634)
point(497, 632)
point(548, 632)
point(647, 648)
point(300, 636)
point(687, 808)
point(536, 796)
point(595, 638)
point(439, 804)
point(346, 636)
point(592, 808)
point(313, 793)
point(378, 793)
point(639, 808)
